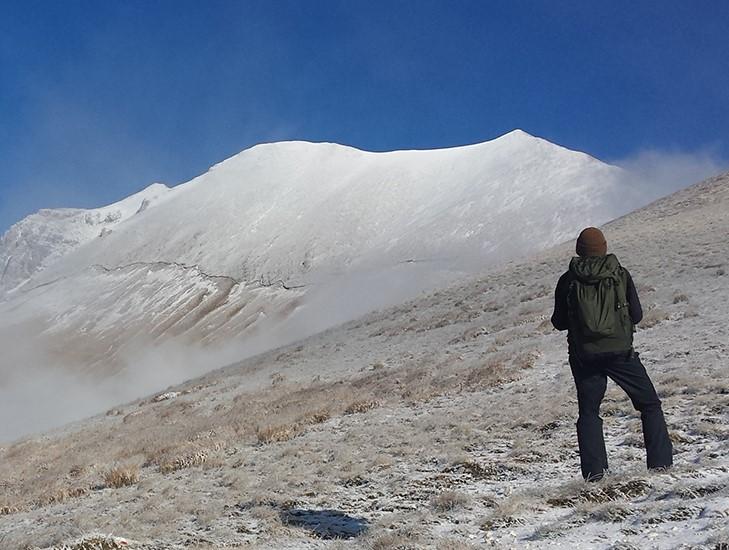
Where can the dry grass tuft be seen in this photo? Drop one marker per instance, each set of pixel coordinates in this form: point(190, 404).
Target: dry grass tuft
point(197, 458)
point(484, 376)
point(362, 405)
point(8, 510)
point(315, 417)
point(273, 434)
point(610, 512)
point(526, 360)
point(476, 470)
point(98, 542)
point(454, 544)
point(697, 491)
point(122, 476)
point(449, 500)
point(604, 492)
point(653, 317)
point(61, 494)
point(286, 431)
point(500, 521)
point(394, 541)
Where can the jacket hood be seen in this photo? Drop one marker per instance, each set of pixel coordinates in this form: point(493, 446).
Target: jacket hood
point(592, 269)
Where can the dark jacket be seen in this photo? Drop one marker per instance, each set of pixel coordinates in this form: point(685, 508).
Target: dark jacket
point(560, 317)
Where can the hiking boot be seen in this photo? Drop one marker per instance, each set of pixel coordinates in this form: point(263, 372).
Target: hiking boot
point(595, 477)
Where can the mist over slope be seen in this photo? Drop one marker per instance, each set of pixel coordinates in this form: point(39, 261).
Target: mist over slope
point(444, 422)
point(276, 243)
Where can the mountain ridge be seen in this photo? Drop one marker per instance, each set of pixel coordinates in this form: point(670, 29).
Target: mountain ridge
point(276, 150)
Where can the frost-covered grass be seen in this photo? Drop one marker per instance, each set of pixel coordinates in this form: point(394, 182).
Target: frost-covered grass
point(445, 422)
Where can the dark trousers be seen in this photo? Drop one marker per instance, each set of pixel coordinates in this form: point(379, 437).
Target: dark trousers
point(627, 371)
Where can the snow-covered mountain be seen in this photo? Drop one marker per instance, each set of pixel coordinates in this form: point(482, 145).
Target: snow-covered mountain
point(285, 210)
point(278, 242)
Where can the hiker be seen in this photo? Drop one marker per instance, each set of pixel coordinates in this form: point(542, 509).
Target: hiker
point(596, 302)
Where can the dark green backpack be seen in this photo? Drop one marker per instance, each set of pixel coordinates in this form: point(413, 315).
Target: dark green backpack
point(598, 306)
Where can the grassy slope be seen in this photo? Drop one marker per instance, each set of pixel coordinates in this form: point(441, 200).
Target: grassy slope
point(444, 422)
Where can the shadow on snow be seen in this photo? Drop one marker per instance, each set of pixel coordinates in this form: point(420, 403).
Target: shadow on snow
point(326, 524)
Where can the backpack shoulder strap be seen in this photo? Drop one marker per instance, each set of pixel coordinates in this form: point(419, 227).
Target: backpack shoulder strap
point(621, 288)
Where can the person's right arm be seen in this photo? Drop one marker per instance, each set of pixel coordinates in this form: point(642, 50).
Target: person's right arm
point(560, 317)
point(634, 308)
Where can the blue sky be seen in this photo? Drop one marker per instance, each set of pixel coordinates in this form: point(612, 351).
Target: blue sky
point(99, 99)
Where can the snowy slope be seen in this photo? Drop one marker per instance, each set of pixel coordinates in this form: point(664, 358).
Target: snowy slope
point(276, 243)
point(446, 422)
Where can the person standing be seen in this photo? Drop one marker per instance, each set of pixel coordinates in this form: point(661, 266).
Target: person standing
point(597, 303)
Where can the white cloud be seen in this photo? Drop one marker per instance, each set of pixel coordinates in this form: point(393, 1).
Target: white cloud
point(657, 173)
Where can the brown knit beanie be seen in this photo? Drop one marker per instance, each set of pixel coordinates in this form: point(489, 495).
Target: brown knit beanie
point(591, 242)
